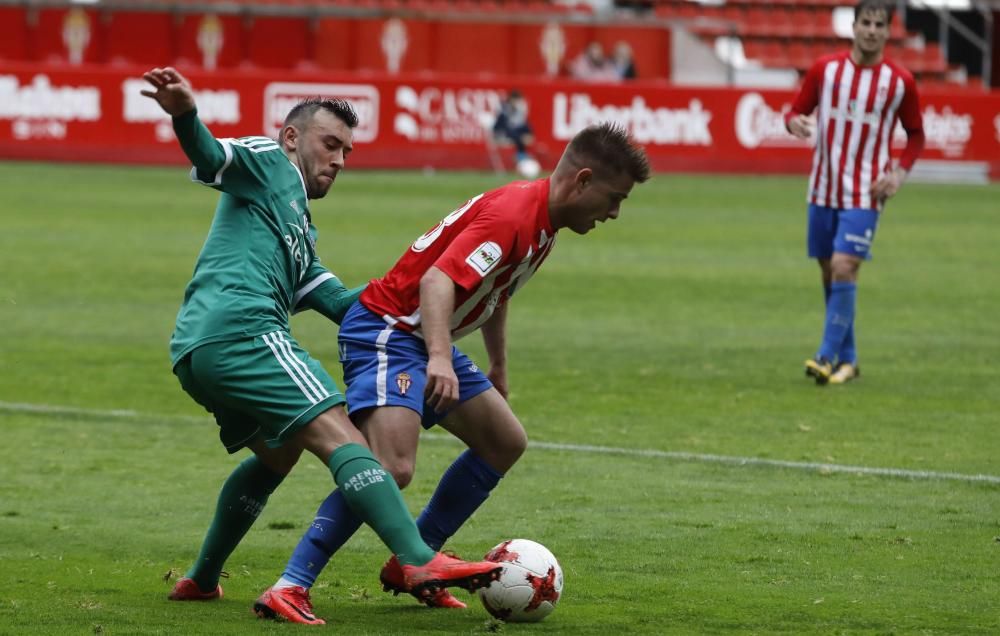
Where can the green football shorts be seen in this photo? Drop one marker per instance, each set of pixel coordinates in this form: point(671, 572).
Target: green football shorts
point(267, 386)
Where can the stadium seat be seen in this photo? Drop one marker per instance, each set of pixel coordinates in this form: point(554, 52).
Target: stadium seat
point(765, 22)
point(809, 23)
point(800, 54)
point(14, 32)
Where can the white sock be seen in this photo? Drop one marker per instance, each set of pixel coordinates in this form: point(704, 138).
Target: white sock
point(283, 582)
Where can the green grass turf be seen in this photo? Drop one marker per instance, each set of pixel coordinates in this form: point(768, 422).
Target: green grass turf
point(680, 327)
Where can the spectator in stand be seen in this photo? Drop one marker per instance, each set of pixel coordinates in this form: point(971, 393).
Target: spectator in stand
point(622, 59)
point(512, 124)
point(593, 66)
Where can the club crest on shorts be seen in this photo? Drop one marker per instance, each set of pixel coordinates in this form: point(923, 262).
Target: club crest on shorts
point(403, 382)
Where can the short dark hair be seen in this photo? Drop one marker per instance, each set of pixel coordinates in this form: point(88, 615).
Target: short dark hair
point(302, 113)
point(609, 146)
point(875, 5)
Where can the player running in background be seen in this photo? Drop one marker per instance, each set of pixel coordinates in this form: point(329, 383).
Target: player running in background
point(403, 372)
point(232, 350)
point(858, 95)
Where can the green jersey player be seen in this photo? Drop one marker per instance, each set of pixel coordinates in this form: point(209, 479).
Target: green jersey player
point(234, 354)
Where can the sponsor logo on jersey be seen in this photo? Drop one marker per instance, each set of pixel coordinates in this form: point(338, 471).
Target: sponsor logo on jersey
point(295, 241)
point(403, 382)
point(280, 97)
point(485, 257)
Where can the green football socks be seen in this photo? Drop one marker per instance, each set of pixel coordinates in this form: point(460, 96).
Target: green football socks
point(240, 503)
point(373, 495)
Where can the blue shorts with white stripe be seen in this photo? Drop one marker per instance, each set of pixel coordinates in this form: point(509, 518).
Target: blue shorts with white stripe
point(384, 366)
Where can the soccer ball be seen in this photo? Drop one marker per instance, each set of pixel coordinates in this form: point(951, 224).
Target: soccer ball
point(529, 586)
point(528, 168)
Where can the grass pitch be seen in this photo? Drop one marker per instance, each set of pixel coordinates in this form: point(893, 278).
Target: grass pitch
point(679, 328)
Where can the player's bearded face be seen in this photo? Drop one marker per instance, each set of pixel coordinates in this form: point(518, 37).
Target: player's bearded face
point(322, 150)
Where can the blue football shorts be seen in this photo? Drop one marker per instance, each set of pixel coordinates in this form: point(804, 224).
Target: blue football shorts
point(849, 231)
point(384, 366)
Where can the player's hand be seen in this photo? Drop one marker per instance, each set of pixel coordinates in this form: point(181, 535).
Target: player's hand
point(498, 376)
point(802, 126)
point(441, 392)
point(173, 92)
point(889, 184)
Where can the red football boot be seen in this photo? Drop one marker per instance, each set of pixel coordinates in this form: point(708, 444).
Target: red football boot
point(423, 581)
point(186, 589)
point(287, 603)
point(392, 581)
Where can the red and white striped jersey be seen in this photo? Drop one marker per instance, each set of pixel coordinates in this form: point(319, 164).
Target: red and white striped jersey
point(856, 110)
point(490, 247)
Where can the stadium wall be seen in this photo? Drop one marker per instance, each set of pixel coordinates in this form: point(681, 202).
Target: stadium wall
point(96, 113)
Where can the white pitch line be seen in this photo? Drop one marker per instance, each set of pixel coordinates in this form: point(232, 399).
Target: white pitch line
point(817, 467)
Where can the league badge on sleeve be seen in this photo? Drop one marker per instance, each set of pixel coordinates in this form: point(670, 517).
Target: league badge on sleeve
point(485, 257)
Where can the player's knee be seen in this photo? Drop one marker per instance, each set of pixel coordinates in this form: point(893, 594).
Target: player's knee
point(844, 273)
point(844, 268)
point(401, 471)
point(516, 444)
point(327, 432)
point(280, 461)
point(508, 448)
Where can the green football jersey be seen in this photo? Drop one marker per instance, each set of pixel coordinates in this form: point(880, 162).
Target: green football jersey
point(259, 259)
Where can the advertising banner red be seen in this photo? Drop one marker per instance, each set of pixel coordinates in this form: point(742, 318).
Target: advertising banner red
point(91, 113)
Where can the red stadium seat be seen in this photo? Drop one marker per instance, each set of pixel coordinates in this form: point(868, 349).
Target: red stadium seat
point(800, 54)
point(810, 23)
point(759, 22)
point(690, 9)
point(933, 59)
point(13, 33)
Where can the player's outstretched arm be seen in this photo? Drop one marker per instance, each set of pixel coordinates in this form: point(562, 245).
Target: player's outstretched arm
point(171, 90)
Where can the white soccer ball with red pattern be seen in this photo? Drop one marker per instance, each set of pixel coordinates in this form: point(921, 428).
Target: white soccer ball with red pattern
point(529, 586)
